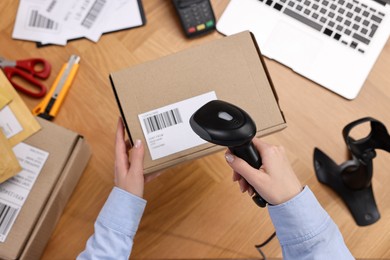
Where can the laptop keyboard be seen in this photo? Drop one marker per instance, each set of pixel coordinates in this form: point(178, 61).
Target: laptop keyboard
point(349, 22)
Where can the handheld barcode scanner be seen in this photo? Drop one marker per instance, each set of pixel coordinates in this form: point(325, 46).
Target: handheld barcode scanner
point(222, 123)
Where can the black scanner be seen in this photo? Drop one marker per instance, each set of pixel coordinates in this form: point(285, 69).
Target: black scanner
point(222, 123)
point(352, 179)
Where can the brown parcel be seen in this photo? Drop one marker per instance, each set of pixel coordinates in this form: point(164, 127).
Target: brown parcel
point(68, 156)
point(232, 67)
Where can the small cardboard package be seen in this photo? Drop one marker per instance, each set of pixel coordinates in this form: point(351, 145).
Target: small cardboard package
point(157, 98)
point(67, 156)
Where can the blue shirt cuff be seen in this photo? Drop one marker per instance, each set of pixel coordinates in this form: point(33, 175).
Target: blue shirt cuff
point(122, 212)
point(299, 219)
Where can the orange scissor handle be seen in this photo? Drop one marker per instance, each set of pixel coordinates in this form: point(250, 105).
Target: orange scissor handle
point(37, 67)
point(11, 72)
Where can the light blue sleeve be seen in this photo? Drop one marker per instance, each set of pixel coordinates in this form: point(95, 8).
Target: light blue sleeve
point(306, 231)
point(115, 227)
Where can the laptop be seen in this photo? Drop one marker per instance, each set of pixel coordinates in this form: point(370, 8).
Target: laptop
point(334, 43)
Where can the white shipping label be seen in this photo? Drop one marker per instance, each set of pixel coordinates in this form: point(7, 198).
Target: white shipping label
point(32, 25)
point(81, 15)
point(167, 130)
point(14, 192)
point(9, 124)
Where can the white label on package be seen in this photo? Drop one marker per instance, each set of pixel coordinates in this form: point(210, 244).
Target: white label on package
point(9, 124)
point(14, 192)
point(167, 130)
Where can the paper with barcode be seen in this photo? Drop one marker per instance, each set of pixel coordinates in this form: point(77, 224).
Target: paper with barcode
point(167, 129)
point(32, 25)
point(82, 16)
point(14, 192)
point(57, 21)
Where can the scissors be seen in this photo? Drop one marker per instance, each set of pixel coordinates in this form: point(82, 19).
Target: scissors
point(29, 70)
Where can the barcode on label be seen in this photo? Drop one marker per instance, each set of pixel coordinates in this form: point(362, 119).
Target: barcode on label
point(39, 21)
point(163, 120)
point(51, 6)
point(7, 216)
point(93, 13)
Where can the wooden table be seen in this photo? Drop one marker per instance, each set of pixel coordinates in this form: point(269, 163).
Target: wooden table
point(194, 210)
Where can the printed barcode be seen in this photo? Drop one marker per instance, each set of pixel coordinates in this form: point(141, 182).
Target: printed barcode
point(163, 120)
point(39, 21)
point(93, 13)
point(7, 215)
point(51, 6)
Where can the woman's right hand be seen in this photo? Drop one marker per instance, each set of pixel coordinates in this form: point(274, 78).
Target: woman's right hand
point(275, 181)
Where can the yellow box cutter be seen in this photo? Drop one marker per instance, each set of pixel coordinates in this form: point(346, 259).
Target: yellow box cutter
point(50, 105)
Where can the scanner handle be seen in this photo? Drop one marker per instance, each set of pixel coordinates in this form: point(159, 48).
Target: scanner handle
point(249, 153)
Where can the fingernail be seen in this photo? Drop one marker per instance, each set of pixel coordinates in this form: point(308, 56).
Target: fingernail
point(229, 157)
point(137, 143)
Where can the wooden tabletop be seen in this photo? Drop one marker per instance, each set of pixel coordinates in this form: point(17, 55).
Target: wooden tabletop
point(194, 210)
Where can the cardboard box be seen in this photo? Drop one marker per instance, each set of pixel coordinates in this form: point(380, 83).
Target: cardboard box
point(231, 67)
point(68, 156)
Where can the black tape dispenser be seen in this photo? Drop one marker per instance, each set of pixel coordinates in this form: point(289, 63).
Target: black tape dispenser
point(222, 123)
point(352, 179)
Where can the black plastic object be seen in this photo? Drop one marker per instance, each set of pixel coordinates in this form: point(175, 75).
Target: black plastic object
point(196, 16)
point(352, 179)
point(222, 123)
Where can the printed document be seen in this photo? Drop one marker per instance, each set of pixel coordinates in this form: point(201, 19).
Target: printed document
point(57, 21)
point(14, 192)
